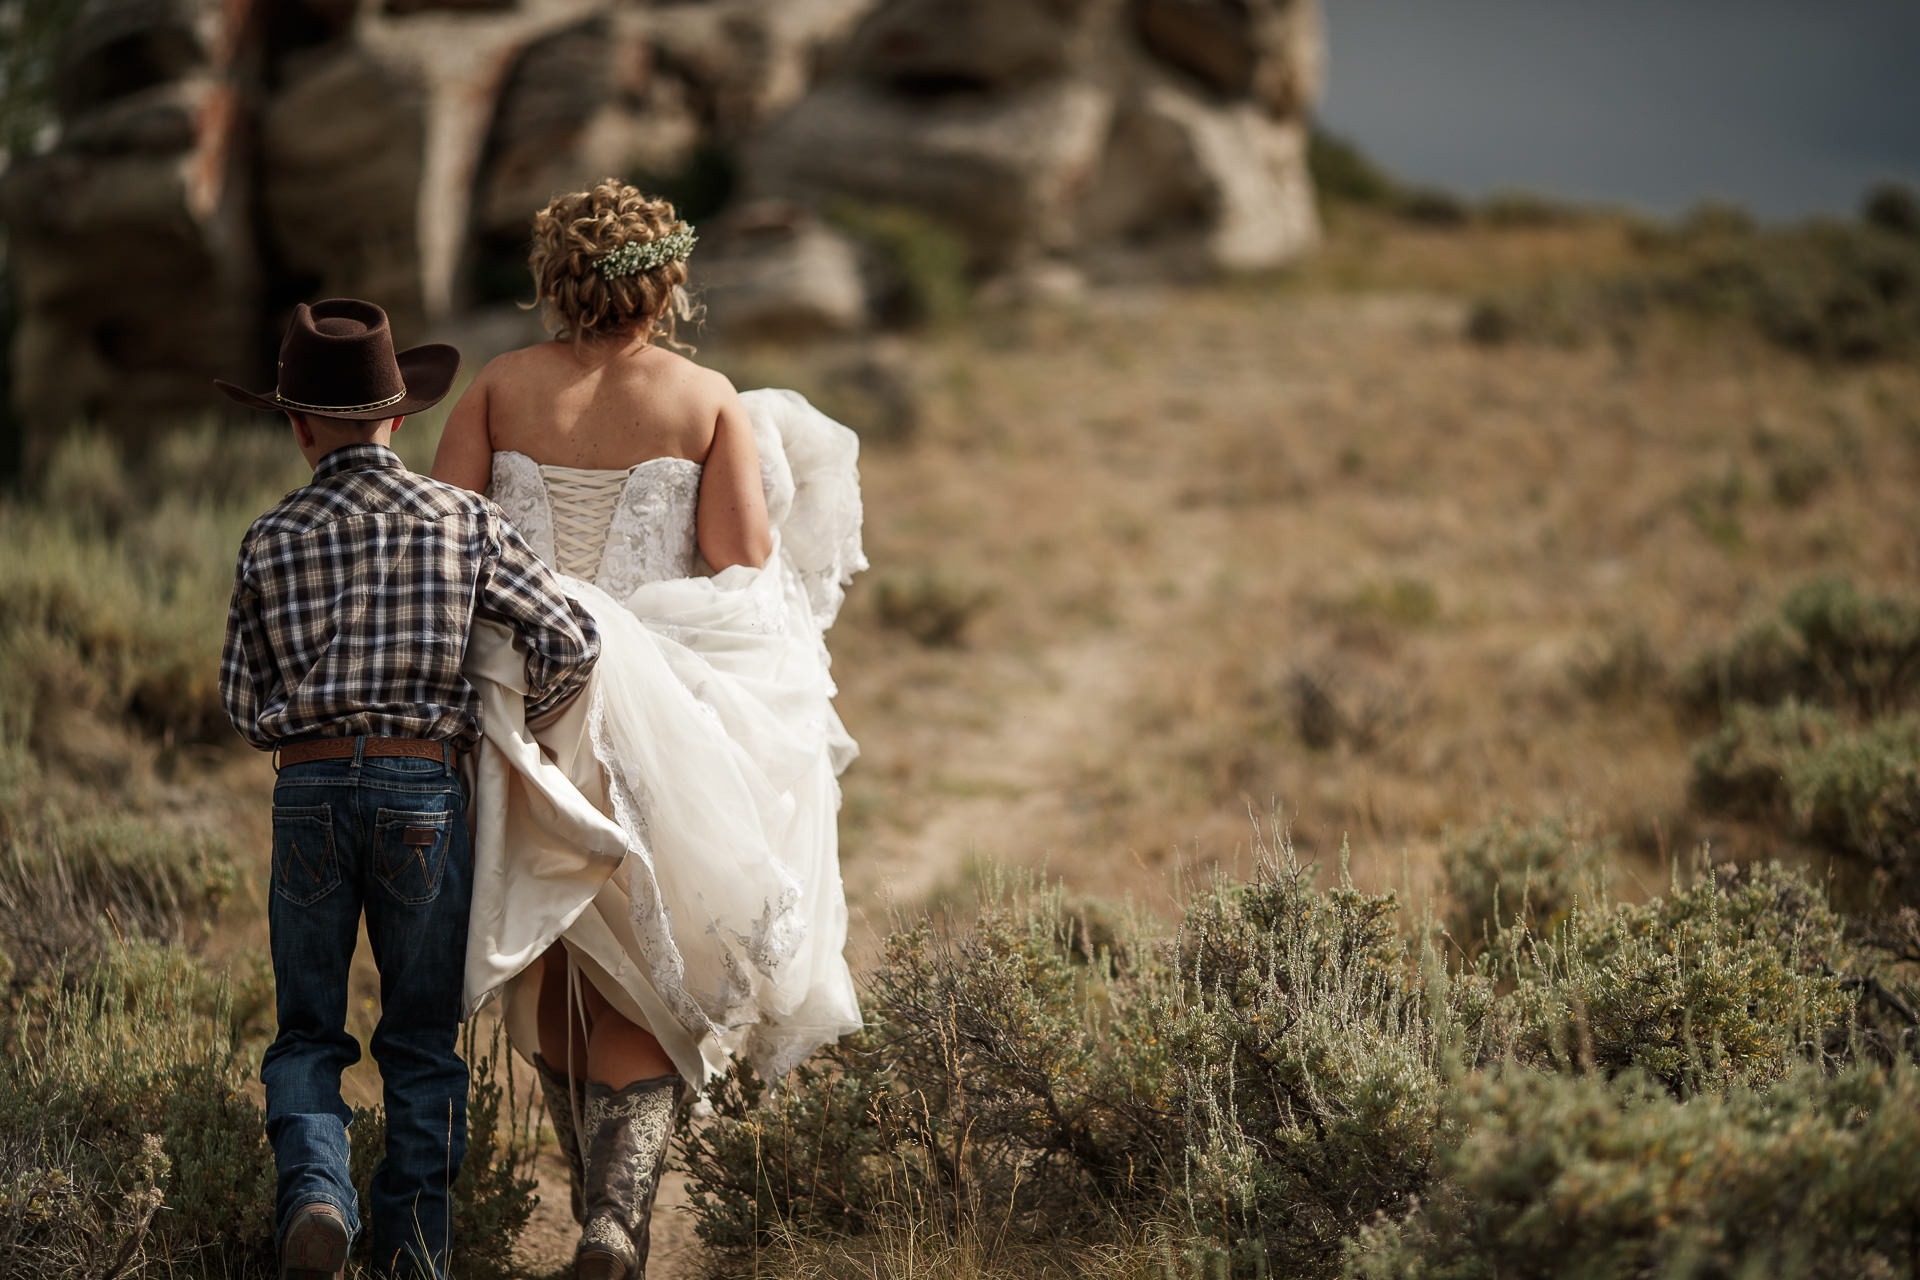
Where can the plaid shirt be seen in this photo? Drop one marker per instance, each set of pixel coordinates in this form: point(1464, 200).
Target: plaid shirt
point(354, 597)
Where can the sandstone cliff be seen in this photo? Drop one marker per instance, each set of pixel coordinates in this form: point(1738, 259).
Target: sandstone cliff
point(217, 160)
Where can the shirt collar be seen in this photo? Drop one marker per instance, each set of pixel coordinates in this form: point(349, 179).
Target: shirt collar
point(357, 457)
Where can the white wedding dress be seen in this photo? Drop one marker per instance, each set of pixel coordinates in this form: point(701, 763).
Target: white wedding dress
point(714, 913)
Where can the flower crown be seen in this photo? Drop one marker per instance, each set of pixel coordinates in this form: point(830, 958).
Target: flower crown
point(636, 256)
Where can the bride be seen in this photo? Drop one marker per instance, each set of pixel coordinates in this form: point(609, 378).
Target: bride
point(663, 888)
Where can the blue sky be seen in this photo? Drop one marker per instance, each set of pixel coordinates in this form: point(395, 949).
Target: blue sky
point(1789, 107)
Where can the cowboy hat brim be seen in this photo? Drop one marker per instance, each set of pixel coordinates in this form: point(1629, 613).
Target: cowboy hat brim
point(426, 371)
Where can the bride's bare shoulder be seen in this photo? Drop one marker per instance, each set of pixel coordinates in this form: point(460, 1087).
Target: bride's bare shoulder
point(694, 385)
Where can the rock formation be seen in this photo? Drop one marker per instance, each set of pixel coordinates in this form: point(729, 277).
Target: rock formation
point(1107, 133)
point(131, 245)
point(217, 160)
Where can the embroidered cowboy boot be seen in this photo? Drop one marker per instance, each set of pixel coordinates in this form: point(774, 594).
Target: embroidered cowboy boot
point(627, 1148)
point(566, 1111)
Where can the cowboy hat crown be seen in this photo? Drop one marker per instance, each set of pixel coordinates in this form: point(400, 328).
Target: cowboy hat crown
point(337, 361)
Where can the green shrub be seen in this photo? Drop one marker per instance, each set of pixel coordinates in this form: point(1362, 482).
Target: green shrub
point(1343, 173)
point(921, 262)
point(1586, 1179)
point(1894, 207)
point(129, 1083)
point(1505, 874)
point(1741, 768)
point(1854, 792)
point(1432, 207)
point(1829, 644)
point(1005, 1074)
point(71, 882)
point(127, 1091)
point(1730, 980)
point(1830, 290)
point(930, 606)
point(1526, 209)
point(1311, 1068)
point(1833, 291)
point(1264, 1084)
point(1859, 794)
point(1288, 1081)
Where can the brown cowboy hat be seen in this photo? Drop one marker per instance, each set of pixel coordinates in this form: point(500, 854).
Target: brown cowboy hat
point(337, 361)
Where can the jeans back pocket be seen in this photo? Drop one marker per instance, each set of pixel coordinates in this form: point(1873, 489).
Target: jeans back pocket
point(410, 848)
point(306, 867)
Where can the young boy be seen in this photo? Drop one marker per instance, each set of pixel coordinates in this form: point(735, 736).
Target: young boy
point(351, 608)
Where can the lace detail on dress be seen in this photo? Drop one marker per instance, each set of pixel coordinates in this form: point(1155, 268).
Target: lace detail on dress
point(651, 537)
point(813, 493)
point(725, 1000)
point(518, 490)
point(647, 531)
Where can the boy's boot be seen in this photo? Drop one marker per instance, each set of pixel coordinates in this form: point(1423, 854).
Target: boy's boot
point(566, 1099)
point(315, 1245)
point(629, 1131)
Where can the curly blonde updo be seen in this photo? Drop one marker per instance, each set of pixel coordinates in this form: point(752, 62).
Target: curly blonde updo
point(578, 302)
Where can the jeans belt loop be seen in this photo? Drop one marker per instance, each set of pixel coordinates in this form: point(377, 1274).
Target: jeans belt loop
point(359, 753)
point(446, 756)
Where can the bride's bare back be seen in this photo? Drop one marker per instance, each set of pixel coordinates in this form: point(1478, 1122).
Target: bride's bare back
point(604, 406)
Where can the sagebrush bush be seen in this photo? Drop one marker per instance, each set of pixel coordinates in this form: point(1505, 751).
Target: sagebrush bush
point(1265, 1083)
point(1285, 1082)
point(1829, 644)
point(1741, 768)
point(1851, 791)
point(128, 1085)
point(921, 269)
point(1583, 1178)
point(126, 1133)
point(75, 877)
point(1342, 173)
point(1506, 874)
point(1005, 1070)
point(1732, 979)
point(1830, 290)
point(1310, 1062)
point(113, 595)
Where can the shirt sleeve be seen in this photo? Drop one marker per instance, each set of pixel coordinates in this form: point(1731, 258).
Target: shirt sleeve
point(242, 659)
point(559, 636)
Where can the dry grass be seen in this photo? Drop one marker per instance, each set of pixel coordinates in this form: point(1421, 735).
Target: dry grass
point(1148, 562)
point(1302, 545)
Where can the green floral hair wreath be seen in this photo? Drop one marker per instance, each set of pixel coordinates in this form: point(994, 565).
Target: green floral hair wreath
point(636, 256)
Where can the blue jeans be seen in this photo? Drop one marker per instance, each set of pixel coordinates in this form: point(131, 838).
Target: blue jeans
point(387, 835)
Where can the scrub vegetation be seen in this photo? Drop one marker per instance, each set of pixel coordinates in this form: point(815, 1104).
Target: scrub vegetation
point(1543, 580)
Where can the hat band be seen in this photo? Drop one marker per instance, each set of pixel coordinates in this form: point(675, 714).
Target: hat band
point(395, 398)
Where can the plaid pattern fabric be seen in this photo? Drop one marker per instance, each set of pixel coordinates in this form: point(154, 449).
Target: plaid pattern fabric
point(354, 597)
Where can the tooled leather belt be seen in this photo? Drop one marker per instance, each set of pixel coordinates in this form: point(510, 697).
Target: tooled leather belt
point(342, 749)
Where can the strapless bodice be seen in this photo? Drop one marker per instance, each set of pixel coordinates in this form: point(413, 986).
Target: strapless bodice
point(618, 529)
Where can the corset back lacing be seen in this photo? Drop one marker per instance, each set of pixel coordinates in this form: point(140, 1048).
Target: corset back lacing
point(583, 503)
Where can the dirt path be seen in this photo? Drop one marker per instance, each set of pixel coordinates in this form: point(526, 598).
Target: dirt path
point(1171, 522)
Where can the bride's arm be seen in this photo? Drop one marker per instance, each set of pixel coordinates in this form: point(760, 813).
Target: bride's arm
point(465, 455)
point(732, 518)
